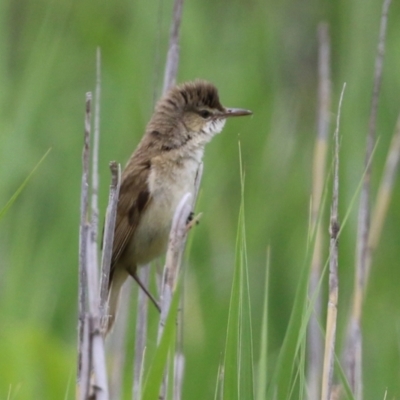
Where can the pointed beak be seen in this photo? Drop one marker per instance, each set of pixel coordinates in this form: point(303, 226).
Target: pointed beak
point(235, 112)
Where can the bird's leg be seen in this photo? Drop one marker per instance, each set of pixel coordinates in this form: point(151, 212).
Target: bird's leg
point(149, 295)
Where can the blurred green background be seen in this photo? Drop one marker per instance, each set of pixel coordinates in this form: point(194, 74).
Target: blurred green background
point(262, 56)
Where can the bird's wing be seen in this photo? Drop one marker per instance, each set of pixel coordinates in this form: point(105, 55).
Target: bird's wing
point(134, 198)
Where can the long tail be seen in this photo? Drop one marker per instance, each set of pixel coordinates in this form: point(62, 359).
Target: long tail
point(118, 278)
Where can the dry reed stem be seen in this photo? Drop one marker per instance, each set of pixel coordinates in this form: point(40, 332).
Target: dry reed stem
point(170, 73)
point(179, 368)
point(173, 258)
point(92, 372)
point(171, 67)
point(319, 167)
point(108, 237)
point(91, 354)
point(118, 344)
point(175, 250)
point(83, 231)
point(364, 210)
point(84, 378)
point(98, 382)
point(329, 355)
point(94, 216)
point(383, 197)
point(354, 337)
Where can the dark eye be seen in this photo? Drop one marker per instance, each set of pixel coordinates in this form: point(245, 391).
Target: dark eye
point(205, 114)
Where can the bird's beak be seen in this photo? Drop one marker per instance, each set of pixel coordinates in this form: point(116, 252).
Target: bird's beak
point(235, 112)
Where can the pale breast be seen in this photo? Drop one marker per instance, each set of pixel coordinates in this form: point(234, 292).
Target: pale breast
point(168, 182)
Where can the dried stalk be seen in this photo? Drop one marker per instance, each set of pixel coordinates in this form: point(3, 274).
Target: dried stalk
point(118, 344)
point(109, 236)
point(334, 228)
point(174, 254)
point(179, 367)
point(354, 359)
point(319, 167)
point(83, 232)
point(171, 67)
point(383, 197)
point(95, 157)
point(170, 73)
point(98, 384)
point(175, 250)
point(91, 353)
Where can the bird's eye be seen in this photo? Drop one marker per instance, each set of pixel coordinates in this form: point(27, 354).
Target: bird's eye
point(205, 114)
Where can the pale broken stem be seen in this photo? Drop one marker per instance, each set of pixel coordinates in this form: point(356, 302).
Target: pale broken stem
point(174, 255)
point(83, 232)
point(170, 73)
point(95, 157)
point(364, 211)
point(179, 367)
point(179, 359)
point(118, 344)
point(171, 67)
point(319, 167)
point(384, 196)
point(364, 214)
point(83, 392)
point(98, 383)
point(108, 236)
point(175, 250)
point(91, 346)
point(329, 356)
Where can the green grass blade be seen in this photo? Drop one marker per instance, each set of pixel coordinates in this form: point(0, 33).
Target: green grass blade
point(238, 363)
point(156, 371)
point(21, 188)
point(246, 361)
point(246, 364)
point(281, 383)
point(231, 361)
point(282, 377)
point(261, 388)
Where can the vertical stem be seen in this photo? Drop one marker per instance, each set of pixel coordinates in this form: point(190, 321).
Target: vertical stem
point(334, 229)
point(108, 238)
point(118, 344)
point(319, 166)
point(83, 234)
point(170, 73)
point(354, 336)
point(171, 67)
point(95, 157)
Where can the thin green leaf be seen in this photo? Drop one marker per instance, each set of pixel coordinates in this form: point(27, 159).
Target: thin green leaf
point(156, 371)
point(231, 361)
point(246, 362)
point(261, 389)
point(21, 188)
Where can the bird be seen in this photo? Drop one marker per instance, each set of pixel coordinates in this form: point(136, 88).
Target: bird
point(159, 173)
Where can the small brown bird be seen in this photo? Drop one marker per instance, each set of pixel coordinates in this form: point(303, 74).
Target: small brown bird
point(160, 171)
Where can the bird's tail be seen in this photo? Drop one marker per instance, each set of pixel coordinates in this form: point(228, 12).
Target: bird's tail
point(118, 278)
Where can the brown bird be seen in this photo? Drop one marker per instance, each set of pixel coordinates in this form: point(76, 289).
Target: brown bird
point(161, 170)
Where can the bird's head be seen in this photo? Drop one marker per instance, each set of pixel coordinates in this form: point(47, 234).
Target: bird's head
point(193, 111)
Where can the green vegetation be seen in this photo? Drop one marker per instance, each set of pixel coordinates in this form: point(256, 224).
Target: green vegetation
point(262, 56)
